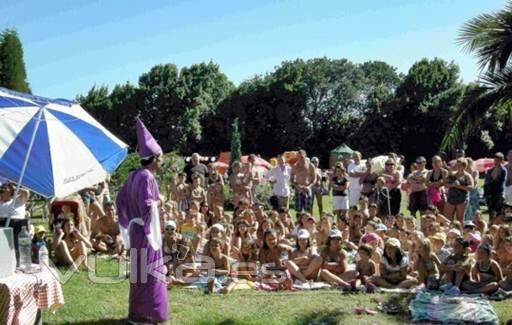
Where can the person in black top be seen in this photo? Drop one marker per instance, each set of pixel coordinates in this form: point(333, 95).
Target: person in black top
point(196, 168)
point(340, 186)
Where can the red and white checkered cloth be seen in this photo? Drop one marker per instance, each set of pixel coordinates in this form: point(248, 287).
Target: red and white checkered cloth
point(21, 295)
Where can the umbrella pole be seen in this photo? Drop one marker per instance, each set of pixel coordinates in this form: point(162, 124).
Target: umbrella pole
point(24, 167)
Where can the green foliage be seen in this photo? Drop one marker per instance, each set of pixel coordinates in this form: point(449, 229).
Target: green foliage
point(489, 37)
point(426, 78)
point(173, 104)
point(236, 143)
point(12, 67)
point(171, 164)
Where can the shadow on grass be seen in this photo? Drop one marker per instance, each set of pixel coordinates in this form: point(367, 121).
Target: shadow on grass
point(322, 318)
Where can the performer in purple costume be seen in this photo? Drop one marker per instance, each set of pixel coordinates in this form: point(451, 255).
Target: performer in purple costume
point(140, 226)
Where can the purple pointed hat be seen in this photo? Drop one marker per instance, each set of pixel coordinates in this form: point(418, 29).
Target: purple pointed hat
point(147, 144)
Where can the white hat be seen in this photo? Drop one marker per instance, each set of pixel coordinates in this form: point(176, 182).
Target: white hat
point(219, 227)
point(303, 234)
point(335, 233)
point(170, 223)
point(469, 223)
point(393, 242)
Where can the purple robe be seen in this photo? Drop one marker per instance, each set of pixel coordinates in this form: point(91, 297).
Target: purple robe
point(138, 217)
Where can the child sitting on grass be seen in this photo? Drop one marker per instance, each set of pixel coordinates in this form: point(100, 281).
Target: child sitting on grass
point(393, 267)
point(272, 258)
point(334, 267)
point(457, 267)
point(427, 265)
point(486, 273)
point(365, 266)
point(304, 263)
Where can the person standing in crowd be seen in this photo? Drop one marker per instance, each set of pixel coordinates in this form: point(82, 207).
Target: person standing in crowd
point(317, 187)
point(303, 176)
point(459, 184)
point(393, 180)
point(494, 186)
point(435, 181)
point(368, 181)
point(340, 189)
point(240, 182)
point(279, 177)
point(196, 168)
point(255, 176)
point(508, 184)
point(356, 169)
point(474, 194)
point(15, 208)
point(418, 198)
point(137, 205)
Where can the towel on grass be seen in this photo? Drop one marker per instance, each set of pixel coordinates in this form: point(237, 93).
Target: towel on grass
point(464, 309)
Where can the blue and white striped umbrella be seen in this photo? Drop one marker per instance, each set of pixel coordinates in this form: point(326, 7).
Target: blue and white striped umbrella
point(70, 151)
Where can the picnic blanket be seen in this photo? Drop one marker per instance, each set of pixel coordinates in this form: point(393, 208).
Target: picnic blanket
point(464, 309)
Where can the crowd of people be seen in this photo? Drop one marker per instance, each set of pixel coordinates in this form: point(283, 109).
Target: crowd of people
point(443, 242)
point(365, 242)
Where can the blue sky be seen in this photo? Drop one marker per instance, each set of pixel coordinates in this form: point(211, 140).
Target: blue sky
point(70, 45)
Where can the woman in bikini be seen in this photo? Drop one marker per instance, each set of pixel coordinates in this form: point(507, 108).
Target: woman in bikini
point(459, 184)
point(435, 179)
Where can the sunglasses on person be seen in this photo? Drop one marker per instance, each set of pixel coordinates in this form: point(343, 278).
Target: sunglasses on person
point(390, 164)
point(170, 229)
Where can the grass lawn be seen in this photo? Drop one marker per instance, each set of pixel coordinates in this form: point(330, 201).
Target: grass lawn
point(93, 303)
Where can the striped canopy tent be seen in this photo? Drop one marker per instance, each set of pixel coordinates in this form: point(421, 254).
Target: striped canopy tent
point(54, 147)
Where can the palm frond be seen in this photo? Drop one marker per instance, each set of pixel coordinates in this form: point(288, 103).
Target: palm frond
point(495, 88)
point(489, 36)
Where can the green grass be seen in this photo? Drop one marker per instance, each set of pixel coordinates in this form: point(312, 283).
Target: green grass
point(90, 303)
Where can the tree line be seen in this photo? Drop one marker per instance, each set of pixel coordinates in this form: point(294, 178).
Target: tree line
point(314, 104)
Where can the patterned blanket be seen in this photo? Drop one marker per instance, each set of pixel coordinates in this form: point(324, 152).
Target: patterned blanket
point(436, 307)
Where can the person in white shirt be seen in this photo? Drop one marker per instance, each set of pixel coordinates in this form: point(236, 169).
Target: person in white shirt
point(279, 177)
point(355, 169)
point(15, 208)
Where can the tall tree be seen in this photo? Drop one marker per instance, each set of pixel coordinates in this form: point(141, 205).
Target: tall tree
point(236, 143)
point(12, 67)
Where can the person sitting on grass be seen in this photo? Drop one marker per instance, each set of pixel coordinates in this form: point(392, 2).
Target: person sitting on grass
point(221, 266)
point(365, 266)
point(393, 267)
point(71, 247)
point(183, 266)
point(272, 258)
point(241, 233)
point(105, 235)
point(356, 227)
point(486, 273)
point(324, 226)
point(457, 267)
point(304, 263)
point(38, 241)
point(427, 265)
point(170, 243)
point(505, 285)
point(334, 267)
point(248, 256)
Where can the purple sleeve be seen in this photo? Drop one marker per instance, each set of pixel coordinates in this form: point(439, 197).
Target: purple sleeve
point(148, 195)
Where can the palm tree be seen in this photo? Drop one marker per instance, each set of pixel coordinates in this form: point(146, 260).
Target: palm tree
point(489, 37)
